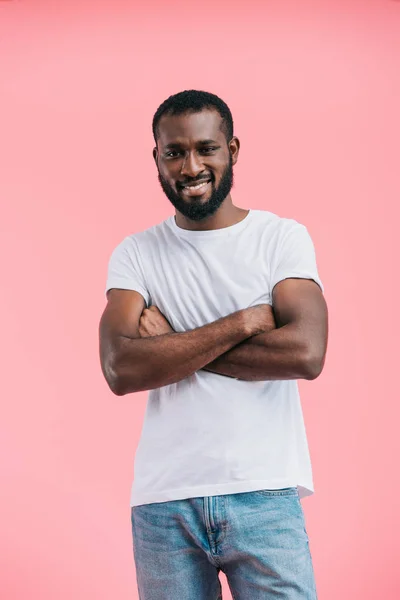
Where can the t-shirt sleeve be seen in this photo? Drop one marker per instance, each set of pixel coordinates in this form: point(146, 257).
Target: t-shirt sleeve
point(125, 270)
point(295, 256)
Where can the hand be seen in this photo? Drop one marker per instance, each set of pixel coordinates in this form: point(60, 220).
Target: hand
point(260, 319)
point(152, 322)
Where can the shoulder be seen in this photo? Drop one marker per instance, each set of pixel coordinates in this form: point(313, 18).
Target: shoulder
point(134, 242)
point(278, 227)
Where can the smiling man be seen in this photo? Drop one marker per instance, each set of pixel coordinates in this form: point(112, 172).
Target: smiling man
point(184, 177)
point(218, 311)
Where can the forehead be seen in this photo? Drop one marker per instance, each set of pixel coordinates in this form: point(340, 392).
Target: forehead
point(190, 127)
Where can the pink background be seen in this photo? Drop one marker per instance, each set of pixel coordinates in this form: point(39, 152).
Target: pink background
point(315, 93)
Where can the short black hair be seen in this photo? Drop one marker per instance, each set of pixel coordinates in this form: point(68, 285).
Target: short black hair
point(194, 101)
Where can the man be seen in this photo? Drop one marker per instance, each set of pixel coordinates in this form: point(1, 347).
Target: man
point(217, 311)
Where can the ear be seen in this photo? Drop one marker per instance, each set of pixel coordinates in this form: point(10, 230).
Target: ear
point(155, 154)
point(234, 146)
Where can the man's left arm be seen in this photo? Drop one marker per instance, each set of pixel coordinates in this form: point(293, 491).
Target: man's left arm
point(296, 349)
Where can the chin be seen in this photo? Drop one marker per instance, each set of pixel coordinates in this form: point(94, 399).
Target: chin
point(195, 199)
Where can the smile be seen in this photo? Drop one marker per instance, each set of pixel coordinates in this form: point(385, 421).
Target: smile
point(195, 190)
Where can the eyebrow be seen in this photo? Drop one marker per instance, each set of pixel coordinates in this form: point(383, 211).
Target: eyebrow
point(204, 142)
point(174, 145)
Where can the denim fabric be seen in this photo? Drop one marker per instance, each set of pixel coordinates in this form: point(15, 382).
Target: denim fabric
point(258, 539)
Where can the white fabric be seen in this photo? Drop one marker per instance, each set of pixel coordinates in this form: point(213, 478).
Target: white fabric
point(209, 434)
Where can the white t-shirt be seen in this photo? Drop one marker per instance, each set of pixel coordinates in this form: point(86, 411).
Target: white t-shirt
point(210, 434)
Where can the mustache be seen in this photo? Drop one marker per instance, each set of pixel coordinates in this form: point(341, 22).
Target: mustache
point(195, 180)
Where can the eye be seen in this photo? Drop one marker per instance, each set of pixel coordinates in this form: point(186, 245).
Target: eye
point(171, 154)
point(209, 149)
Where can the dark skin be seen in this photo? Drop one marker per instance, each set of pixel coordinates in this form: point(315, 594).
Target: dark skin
point(299, 320)
point(194, 145)
point(286, 341)
point(297, 331)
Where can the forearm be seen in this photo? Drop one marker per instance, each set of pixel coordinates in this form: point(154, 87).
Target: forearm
point(152, 362)
point(277, 354)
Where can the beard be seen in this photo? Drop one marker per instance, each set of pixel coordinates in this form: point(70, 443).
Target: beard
point(197, 211)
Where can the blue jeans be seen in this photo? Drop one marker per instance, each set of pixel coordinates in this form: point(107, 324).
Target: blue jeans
point(257, 539)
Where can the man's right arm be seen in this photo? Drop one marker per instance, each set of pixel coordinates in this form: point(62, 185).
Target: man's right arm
point(133, 364)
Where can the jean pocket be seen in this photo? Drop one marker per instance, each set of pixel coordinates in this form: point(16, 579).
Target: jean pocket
point(290, 491)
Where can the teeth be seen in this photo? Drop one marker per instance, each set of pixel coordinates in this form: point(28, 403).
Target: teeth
point(195, 187)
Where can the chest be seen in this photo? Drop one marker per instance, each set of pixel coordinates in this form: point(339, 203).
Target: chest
point(196, 283)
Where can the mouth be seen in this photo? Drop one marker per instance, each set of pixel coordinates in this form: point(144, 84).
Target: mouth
point(197, 189)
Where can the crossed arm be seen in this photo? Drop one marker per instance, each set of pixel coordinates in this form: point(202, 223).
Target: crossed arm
point(293, 347)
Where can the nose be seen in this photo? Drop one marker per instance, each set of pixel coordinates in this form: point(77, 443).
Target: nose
point(191, 165)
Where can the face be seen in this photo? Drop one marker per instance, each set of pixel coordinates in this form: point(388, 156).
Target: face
point(194, 162)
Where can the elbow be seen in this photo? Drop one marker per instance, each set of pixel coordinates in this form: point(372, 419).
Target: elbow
point(117, 382)
point(116, 388)
point(114, 382)
point(120, 387)
point(313, 366)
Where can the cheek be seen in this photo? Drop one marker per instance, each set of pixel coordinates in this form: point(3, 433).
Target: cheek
point(220, 168)
point(218, 176)
point(170, 173)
